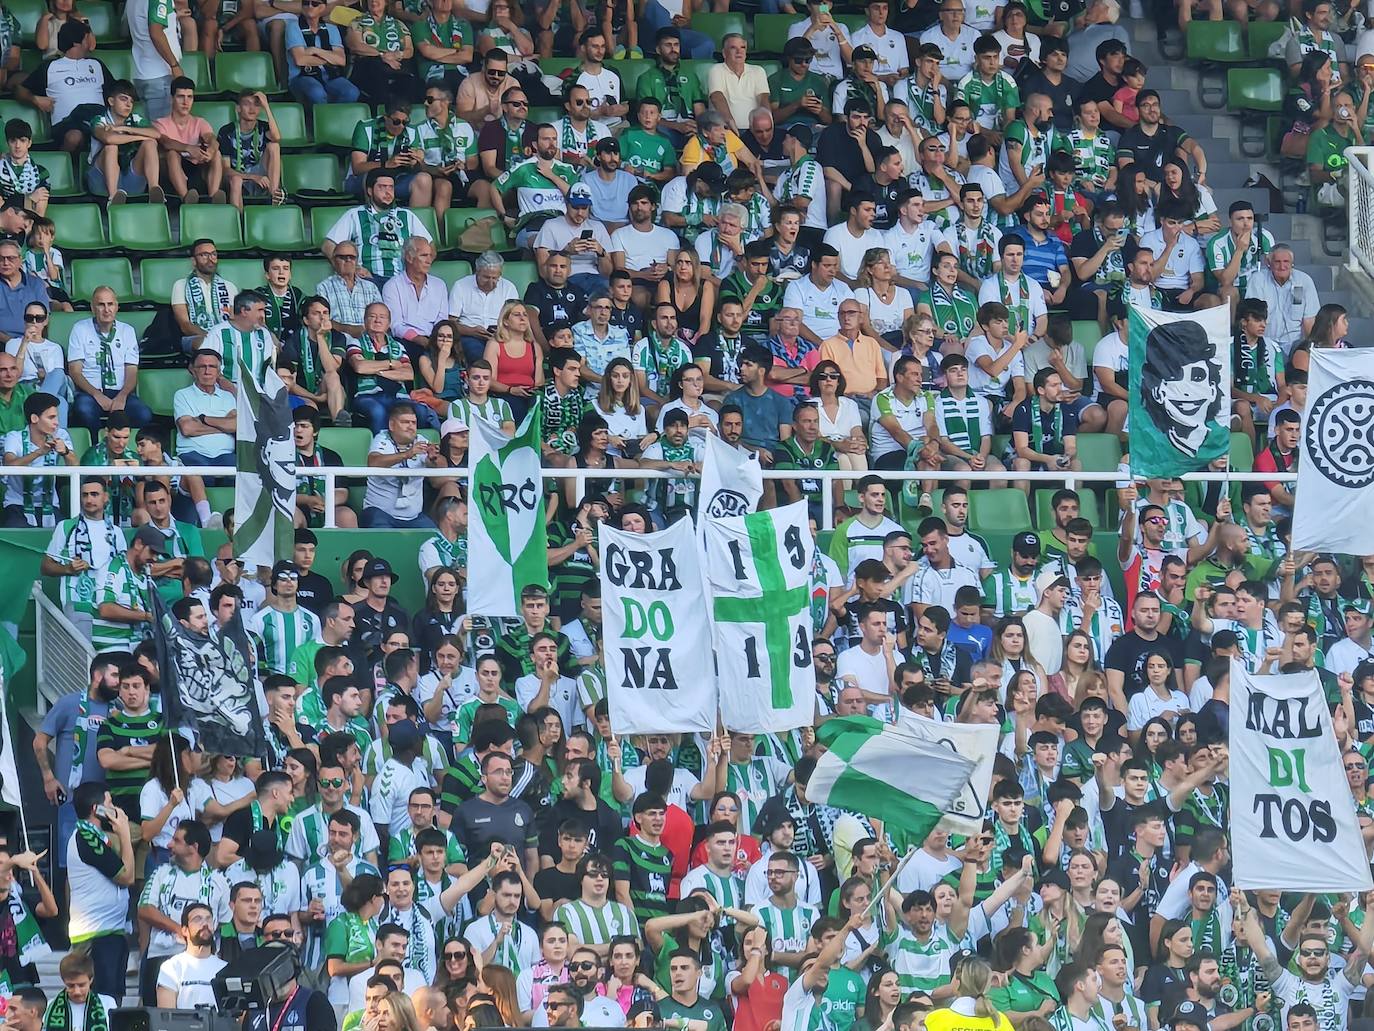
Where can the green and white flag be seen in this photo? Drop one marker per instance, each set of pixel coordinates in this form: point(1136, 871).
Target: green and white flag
point(507, 540)
point(657, 642)
point(883, 772)
point(265, 488)
point(759, 570)
point(1180, 390)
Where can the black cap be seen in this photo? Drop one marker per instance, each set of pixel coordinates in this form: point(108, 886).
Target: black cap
point(154, 538)
point(802, 134)
point(286, 570)
point(403, 735)
point(608, 145)
point(863, 53)
point(711, 174)
point(1192, 1014)
point(667, 32)
point(378, 567)
point(1026, 544)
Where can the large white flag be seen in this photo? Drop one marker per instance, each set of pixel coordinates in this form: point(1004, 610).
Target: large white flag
point(507, 541)
point(657, 642)
point(1335, 491)
point(9, 771)
point(1293, 825)
point(731, 482)
point(974, 741)
point(265, 455)
point(758, 567)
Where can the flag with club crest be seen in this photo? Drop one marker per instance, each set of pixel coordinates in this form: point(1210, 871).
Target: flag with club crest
point(1335, 461)
point(507, 541)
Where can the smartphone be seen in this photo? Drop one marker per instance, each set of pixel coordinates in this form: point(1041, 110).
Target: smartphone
point(61, 796)
point(102, 812)
point(586, 235)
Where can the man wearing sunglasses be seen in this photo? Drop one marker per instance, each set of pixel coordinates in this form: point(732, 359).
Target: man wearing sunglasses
point(389, 141)
point(507, 140)
point(479, 98)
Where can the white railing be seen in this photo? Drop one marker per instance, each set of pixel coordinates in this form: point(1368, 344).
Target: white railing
point(63, 653)
point(1360, 209)
point(581, 477)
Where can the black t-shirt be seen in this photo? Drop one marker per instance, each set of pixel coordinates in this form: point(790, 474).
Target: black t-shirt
point(319, 1015)
point(722, 354)
point(562, 305)
point(373, 626)
point(897, 620)
point(885, 198)
point(1157, 978)
point(771, 152)
point(314, 592)
point(1087, 244)
point(1061, 95)
point(478, 822)
point(630, 319)
point(836, 149)
point(238, 828)
point(1127, 655)
point(604, 824)
point(1098, 89)
point(1050, 442)
point(1150, 152)
point(554, 884)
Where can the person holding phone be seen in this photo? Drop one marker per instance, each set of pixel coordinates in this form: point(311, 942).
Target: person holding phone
point(100, 864)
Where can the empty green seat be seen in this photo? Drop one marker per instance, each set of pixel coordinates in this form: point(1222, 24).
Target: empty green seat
point(350, 442)
point(275, 228)
point(334, 123)
point(451, 271)
point(119, 62)
point(1001, 509)
point(80, 227)
point(307, 273)
point(629, 70)
point(27, 13)
point(105, 21)
point(311, 174)
point(88, 274)
point(1254, 89)
point(196, 68)
point(244, 273)
point(219, 222)
point(141, 227)
point(427, 219)
point(248, 69)
point(61, 173)
point(1099, 452)
point(218, 113)
point(1221, 42)
point(290, 118)
point(157, 387)
point(322, 220)
point(158, 275)
point(1242, 452)
point(520, 273)
point(1261, 35)
point(718, 26)
point(770, 32)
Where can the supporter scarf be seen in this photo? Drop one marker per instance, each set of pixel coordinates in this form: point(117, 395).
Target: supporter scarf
point(942, 666)
point(248, 148)
point(1206, 933)
point(107, 369)
point(1037, 433)
point(199, 308)
point(963, 426)
point(38, 490)
point(976, 252)
point(383, 35)
point(512, 146)
point(1020, 311)
point(1252, 371)
point(59, 1015)
point(922, 104)
point(954, 312)
point(720, 155)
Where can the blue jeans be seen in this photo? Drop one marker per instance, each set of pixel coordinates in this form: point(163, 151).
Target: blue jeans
point(695, 45)
point(85, 412)
point(375, 517)
point(110, 953)
point(129, 181)
point(473, 348)
point(590, 282)
point(374, 408)
point(309, 90)
point(196, 458)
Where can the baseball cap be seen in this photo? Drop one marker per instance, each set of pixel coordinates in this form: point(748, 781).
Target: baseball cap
point(1192, 1014)
point(609, 145)
point(286, 570)
point(154, 538)
point(452, 425)
point(378, 567)
point(711, 174)
point(403, 735)
point(802, 134)
point(1026, 544)
point(1048, 578)
point(1360, 605)
point(863, 53)
point(580, 196)
point(667, 32)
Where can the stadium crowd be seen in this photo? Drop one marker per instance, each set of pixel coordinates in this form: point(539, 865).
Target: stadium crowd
point(911, 246)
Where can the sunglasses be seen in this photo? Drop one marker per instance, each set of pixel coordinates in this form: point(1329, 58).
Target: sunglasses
point(332, 782)
point(345, 257)
point(457, 954)
point(394, 120)
point(829, 375)
point(1312, 953)
point(518, 103)
point(36, 317)
point(495, 73)
point(584, 965)
point(801, 60)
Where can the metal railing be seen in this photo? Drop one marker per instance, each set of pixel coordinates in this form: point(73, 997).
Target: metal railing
point(582, 477)
point(1360, 209)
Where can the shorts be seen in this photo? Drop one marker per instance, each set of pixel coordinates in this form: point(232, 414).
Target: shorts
point(1082, 405)
point(1171, 300)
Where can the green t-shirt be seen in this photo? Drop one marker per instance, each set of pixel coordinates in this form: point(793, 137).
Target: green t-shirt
point(785, 88)
point(371, 138)
point(705, 1009)
point(648, 869)
point(843, 998)
point(1023, 994)
point(646, 153)
point(350, 938)
point(1326, 149)
point(678, 92)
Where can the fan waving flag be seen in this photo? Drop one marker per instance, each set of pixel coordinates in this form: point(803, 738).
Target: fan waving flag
point(1180, 390)
point(265, 488)
point(507, 540)
point(759, 570)
point(731, 482)
point(883, 772)
point(1335, 489)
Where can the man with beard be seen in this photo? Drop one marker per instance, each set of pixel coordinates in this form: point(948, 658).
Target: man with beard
point(540, 184)
point(167, 906)
point(610, 185)
point(185, 980)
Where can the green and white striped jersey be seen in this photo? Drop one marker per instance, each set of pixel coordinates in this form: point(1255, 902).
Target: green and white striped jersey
point(788, 928)
point(257, 349)
point(596, 925)
point(120, 585)
point(494, 410)
point(920, 965)
point(728, 890)
point(1221, 248)
point(279, 634)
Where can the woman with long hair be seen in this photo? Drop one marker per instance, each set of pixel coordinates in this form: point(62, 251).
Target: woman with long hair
point(441, 617)
point(1009, 648)
point(517, 366)
point(303, 769)
point(50, 23)
point(841, 425)
point(971, 1009)
point(594, 452)
point(1104, 928)
point(447, 685)
point(1307, 107)
point(351, 577)
point(1154, 733)
point(725, 808)
point(885, 306)
point(497, 983)
point(1329, 329)
point(1078, 662)
point(618, 403)
point(220, 791)
point(692, 294)
point(457, 968)
point(1178, 187)
point(441, 368)
point(163, 801)
point(1135, 194)
point(1160, 697)
point(685, 393)
point(397, 1013)
point(882, 996)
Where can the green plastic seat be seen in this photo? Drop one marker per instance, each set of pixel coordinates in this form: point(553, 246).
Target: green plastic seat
point(38, 121)
point(1254, 89)
point(718, 26)
point(308, 273)
point(315, 175)
point(322, 220)
point(60, 324)
point(157, 387)
point(1220, 42)
point(141, 227)
point(290, 118)
point(1001, 509)
point(1099, 452)
point(1261, 35)
point(242, 272)
point(770, 32)
point(1088, 508)
point(88, 274)
point(520, 273)
point(219, 222)
point(1242, 452)
point(243, 70)
point(105, 21)
point(556, 65)
point(629, 70)
point(334, 123)
point(80, 227)
point(350, 442)
point(61, 173)
point(427, 219)
point(218, 113)
point(451, 271)
point(27, 13)
point(158, 275)
point(81, 439)
point(196, 68)
point(119, 62)
point(275, 228)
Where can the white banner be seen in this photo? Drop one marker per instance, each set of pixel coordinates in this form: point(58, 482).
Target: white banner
point(758, 567)
point(1293, 825)
point(974, 741)
point(731, 482)
point(657, 642)
point(265, 455)
point(1335, 490)
point(507, 539)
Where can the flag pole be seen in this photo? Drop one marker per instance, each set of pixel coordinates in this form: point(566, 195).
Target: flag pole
point(881, 893)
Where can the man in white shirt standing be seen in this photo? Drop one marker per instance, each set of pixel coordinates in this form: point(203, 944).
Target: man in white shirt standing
point(156, 35)
point(871, 662)
point(186, 979)
point(853, 237)
point(889, 46)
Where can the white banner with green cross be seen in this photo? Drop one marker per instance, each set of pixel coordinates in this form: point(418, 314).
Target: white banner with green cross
point(758, 567)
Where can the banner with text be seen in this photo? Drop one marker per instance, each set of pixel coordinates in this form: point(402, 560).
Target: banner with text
point(975, 741)
point(657, 642)
point(758, 567)
point(1293, 825)
point(731, 482)
point(1335, 489)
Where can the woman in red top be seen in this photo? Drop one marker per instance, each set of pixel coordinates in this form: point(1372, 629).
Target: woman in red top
point(725, 808)
point(517, 368)
point(757, 988)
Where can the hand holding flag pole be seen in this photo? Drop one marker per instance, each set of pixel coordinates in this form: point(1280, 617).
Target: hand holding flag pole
point(881, 893)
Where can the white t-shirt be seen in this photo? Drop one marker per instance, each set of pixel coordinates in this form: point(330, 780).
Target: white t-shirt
point(471, 307)
point(83, 345)
point(924, 871)
point(991, 290)
point(1111, 354)
point(890, 48)
point(642, 249)
point(820, 308)
point(939, 586)
point(846, 418)
point(680, 794)
point(148, 63)
point(191, 977)
point(1185, 258)
point(851, 247)
point(1146, 705)
point(979, 381)
point(151, 799)
point(562, 697)
point(399, 496)
point(911, 252)
point(869, 670)
point(828, 59)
